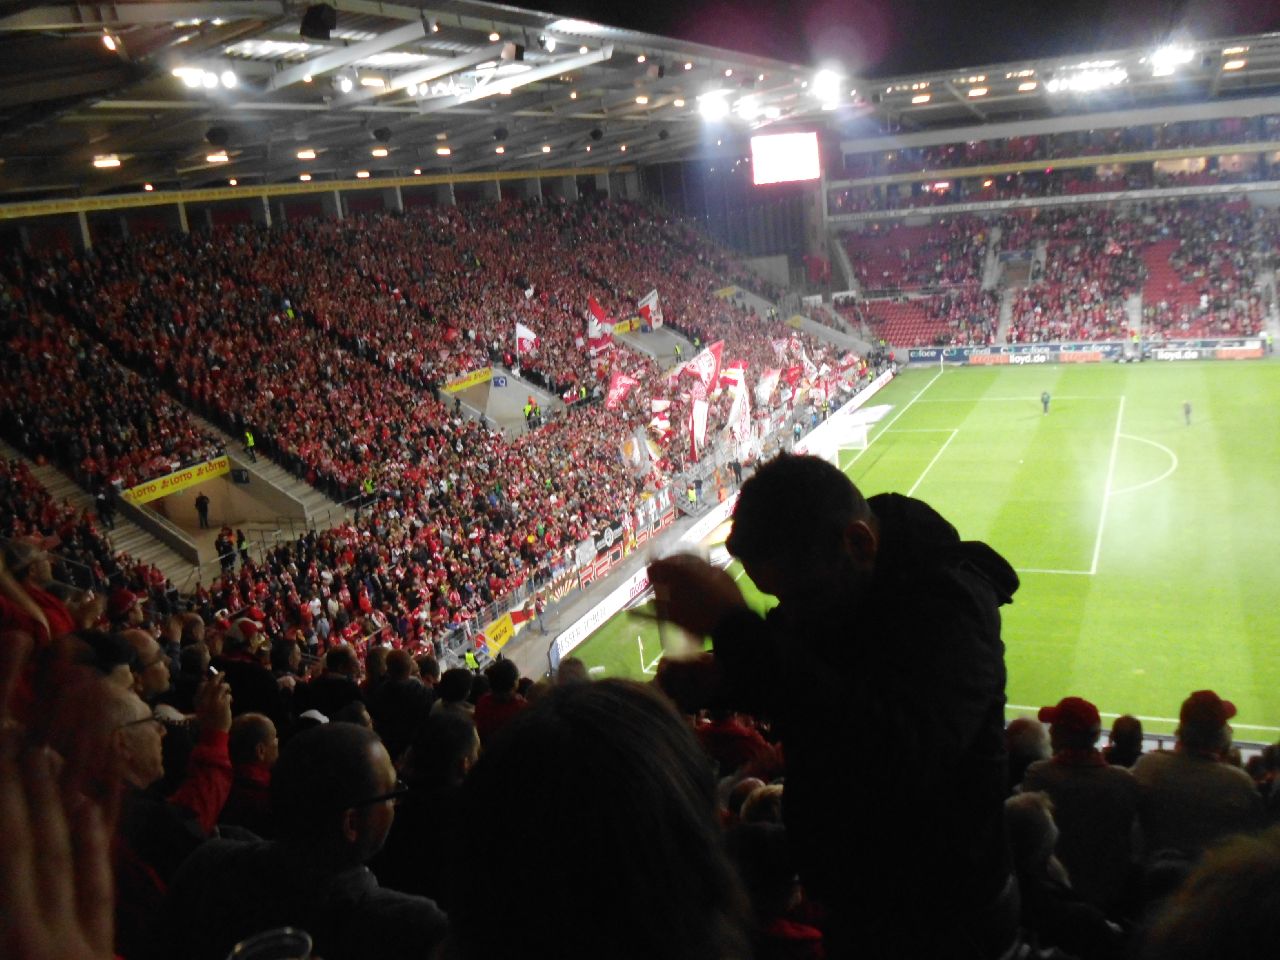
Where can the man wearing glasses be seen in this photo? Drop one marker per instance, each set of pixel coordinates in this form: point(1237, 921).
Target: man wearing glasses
point(334, 794)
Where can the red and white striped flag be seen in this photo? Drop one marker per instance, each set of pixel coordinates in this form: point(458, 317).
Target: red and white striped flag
point(706, 366)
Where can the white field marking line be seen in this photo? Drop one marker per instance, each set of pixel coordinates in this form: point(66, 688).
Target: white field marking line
point(1064, 573)
point(1005, 399)
point(1106, 492)
point(893, 421)
point(1175, 722)
point(941, 450)
point(1148, 483)
point(923, 430)
point(652, 667)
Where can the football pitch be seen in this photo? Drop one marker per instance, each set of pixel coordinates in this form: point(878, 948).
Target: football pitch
point(1149, 549)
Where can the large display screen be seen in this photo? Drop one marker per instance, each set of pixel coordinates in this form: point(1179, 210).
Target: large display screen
point(785, 158)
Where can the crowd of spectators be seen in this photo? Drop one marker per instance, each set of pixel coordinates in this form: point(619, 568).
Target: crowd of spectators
point(1074, 143)
point(66, 399)
point(337, 799)
point(950, 252)
point(330, 342)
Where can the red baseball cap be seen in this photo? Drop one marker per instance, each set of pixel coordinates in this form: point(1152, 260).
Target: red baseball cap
point(122, 600)
point(1207, 710)
point(1072, 713)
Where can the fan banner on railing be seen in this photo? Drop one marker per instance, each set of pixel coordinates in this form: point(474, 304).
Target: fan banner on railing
point(650, 310)
point(792, 375)
point(619, 386)
point(698, 427)
point(526, 339)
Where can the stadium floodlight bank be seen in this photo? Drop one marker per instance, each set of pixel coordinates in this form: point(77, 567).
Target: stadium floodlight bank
point(1114, 351)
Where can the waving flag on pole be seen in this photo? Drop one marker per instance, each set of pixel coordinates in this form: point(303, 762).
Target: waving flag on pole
point(599, 328)
point(526, 339)
point(706, 366)
point(767, 384)
point(650, 309)
point(740, 416)
point(619, 386)
point(733, 374)
point(698, 427)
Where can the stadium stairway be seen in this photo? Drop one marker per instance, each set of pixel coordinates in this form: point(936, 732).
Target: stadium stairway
point(127, 536)
point(1007, 296)
point(320, 511)
point(1133, 309)
point(837, 338)
point(991, 269)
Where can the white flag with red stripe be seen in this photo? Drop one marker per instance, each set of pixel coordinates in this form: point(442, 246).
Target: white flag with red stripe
point(698, 427)
point(767, 384)
point(526, 339)
point(733, 374)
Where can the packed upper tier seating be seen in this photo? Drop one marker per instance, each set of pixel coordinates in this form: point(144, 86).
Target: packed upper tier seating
point(328, 341)
point(1135, 138)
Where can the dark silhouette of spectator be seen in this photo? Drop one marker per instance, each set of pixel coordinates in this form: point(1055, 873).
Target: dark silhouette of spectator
point(333, 793)
point(400, 704)
point(444, 749)
point(1053, 915)
point(333, 689)
point(254, 749)
point(1190, 796)
point(621, 751)
point(1095, 806)
point(917, 701)
point(253, 687)
point(1124, 746)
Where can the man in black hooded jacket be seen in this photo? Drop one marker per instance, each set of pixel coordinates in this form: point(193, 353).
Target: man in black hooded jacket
point(882, 670)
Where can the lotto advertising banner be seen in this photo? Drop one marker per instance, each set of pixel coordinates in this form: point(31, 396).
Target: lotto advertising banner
point(472, 379)
point(179, 480)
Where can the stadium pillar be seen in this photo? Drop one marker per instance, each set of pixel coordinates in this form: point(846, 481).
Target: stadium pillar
point(603, 186)
point(124, 226)
point(24, 237)
point(566, 188)
point(332, 204)
point(492, 190)
point(85, 238)
point(451, 198)
point(260, 211)
point(393, 199)
point(182, 218)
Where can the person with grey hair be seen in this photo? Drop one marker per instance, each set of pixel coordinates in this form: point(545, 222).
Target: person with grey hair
point(1190, 796)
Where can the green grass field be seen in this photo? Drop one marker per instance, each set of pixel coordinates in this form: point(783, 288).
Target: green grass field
point(1149, 550)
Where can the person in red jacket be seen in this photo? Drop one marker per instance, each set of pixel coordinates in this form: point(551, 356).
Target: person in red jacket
point(496, 708)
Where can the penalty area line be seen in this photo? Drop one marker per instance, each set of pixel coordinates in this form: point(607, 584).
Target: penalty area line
point(895, 419)
point(1106, 491)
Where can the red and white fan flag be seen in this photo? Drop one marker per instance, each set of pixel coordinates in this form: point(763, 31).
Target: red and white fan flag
point(767, 384)
point(733, 374)
point(706, 366)
point(740, 414)
point(698, 427)
point(619, 386)
point(779, 348)
point(526, 339)
point(650, 309)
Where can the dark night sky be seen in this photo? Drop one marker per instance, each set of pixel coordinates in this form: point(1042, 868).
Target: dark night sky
point(889, 37)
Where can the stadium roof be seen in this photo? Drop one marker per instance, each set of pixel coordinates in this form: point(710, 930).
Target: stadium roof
point(162, 85)
point(158, 87)
point(1191, 71)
